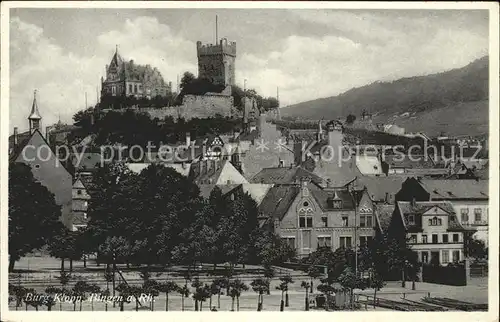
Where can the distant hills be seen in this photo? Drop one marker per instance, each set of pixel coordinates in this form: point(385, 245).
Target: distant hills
point(454, 102)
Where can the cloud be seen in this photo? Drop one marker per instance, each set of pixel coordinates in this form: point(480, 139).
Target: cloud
point(345, 49)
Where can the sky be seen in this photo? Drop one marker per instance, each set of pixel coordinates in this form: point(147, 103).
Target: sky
point(308, 54)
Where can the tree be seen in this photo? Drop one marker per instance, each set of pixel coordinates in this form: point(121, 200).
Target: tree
point(201, 294)
point(51, 291)
point(349, 281)
point(80, 292)
point(153, 288)
point(313, 272)
point(326, 287)
point(93, 289)
point(260, 286)
point(65, 245)
point(167, 288)
point(475, 248)
point(197, 284)
point(64, 279)
point(305, 285)
point(350, 119)
point(287, 280)
point(268, 274)
point(236, 287)
point(33, 213)
point(36, 300)
point(125, 293)
point(184, 292)
point(282, 287)
point(19, 294)
point(376, 282)
point(220, 284)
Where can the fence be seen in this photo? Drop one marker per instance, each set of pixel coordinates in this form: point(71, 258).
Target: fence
point(447, 275)
point(478, 269)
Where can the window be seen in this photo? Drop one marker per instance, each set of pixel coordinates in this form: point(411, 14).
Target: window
point(365, 221)
point(135, 88)
point(435, 221)
point(37, 166)
point(411, 219)
point(446, 256)
point(337, 204)
point(302, 222)
point(324, 241)
point(305, 204)
point(84, 215)
point(345, 242)
point(456, 256)
point(130, 88)
point(465, 214)
point(345, 221)
point(477, 214)
point(325, 221)
point(445, 238)
point(85, 204)
point(79, 192)
point(413, 239)
point(424, 239)
point(434, 238)
point(309, 222)
point(455, 238)
point(290, 241)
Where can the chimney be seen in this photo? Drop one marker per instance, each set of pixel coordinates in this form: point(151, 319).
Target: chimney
point(386, 197)
point(329, 183)
point(16, 138)
point(413, 202)
point(303, 186)
point(188, 139)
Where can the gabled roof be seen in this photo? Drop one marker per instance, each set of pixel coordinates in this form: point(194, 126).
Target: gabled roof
point(256, 190)
point(384, 213)
point(456, 189)
point(278, 200)
point(15, 149)
point(207, 171)
point(421, 207)
point(322, 197)
point(378, 186)
point(285, 175)
point(408, 161)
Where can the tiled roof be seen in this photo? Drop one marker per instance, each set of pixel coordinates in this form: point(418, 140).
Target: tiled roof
point(406, 161)
point(456, 189)
point(322, 197)
point(421, 207)
point(378, 186)
point(278, 200)
point(384, 213)
point(285, 175)
point(210, 171)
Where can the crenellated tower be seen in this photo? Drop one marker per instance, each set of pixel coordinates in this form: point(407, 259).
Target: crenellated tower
point(217, 62)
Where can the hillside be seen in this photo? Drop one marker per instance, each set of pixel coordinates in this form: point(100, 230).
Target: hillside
point(454, 102)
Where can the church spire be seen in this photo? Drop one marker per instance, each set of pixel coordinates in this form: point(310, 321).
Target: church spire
point(34, 118)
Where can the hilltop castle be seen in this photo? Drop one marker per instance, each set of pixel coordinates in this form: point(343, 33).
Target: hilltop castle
point(217, 62)
point(128, 79)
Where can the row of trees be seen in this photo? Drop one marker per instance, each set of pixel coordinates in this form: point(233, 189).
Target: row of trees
point(155, 217)
point(132, 128)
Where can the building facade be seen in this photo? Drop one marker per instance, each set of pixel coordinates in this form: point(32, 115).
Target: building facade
point(129, 79)
point(217, 62)
point(307, 219)
point(433, 230)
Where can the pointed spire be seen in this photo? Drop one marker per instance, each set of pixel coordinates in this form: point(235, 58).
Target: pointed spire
point(35, 114)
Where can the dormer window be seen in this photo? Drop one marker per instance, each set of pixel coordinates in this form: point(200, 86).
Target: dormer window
point(337, 204)
point(411, 219)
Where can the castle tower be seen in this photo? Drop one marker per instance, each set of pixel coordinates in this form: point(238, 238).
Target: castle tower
point(217, 62)
point(34, 118)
